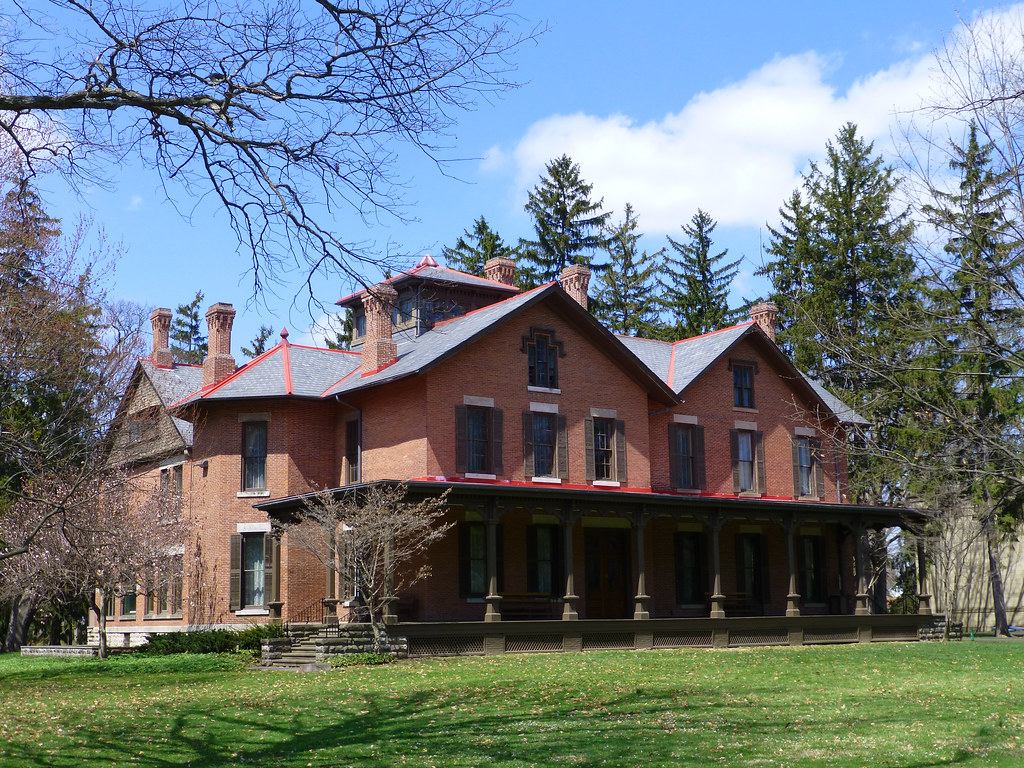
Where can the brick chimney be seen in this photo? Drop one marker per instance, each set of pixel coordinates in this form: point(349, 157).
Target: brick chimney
point(764, 315)
point(161, 320)
point(379, 349)
point(501, 269)
point(219, 362)
point(575, 281)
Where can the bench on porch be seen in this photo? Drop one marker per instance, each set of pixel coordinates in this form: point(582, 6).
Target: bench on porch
point(526, 606)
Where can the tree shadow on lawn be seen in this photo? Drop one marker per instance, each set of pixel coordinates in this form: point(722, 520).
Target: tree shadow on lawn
point(640, 727)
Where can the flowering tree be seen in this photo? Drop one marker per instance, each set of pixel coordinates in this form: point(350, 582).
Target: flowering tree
point(374, 535)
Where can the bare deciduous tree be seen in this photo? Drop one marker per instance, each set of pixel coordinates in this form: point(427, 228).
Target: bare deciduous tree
point(283, 111)
point(375, 537)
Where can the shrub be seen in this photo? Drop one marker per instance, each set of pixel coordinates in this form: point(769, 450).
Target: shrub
point(212, 640)
point(360, 660)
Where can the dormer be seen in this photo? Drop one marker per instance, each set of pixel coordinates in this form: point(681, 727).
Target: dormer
point(429, 293)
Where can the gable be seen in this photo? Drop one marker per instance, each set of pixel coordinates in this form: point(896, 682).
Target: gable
point(145, 430)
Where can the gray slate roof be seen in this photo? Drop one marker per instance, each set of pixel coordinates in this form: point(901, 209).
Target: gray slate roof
point(317, 373)
point(435, 275)
point(172, 384)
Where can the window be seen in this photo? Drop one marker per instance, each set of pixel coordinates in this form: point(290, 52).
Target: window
point(253, 570)
point(808, 474)
point(164, 587)
point(544, 445)
point(544, 560)
point(473, 559)
point(812, 569)
point(171, 486)
point(747, 461)
point(605, 442)
point(691, 568)
point(743, 386)
point(359, 325)
point(478, 440)
point(352, 451)
point(542, 353)
point(402, 312)
point(254, 456)
point(686, 455)
point(128, 602)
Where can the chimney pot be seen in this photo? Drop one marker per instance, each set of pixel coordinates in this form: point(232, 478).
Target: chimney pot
point(764, 315)
point(501, 269)
point(379, 348)
point(161, 321)
point(218, 363)
point(575, 281)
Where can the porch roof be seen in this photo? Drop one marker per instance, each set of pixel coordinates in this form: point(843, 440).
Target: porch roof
point(626, 502)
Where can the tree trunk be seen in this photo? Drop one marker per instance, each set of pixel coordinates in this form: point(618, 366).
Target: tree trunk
point(996, 580)
point(23, 607)
point(101, 621)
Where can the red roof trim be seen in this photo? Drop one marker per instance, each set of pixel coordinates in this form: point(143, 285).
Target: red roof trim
point(347, 376)
point(211, 388)
point(495, 304)
point(376, 370)
point(286, 364)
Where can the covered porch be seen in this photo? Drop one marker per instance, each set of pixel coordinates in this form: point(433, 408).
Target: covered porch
point(693, 570)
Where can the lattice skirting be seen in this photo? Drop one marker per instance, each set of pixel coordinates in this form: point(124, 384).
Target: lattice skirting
point(683, 640)
point(759, 638)
point(533, 643)
point(818, 638)
point(611, 641)
point(446, 646)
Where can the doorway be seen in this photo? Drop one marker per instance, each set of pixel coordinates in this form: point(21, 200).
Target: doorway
point(608, 573)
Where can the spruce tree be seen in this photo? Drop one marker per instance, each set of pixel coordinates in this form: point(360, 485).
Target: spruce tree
point(625, 300)
point(973, 348)
point(695, 286)
point(258, 344)
point(188, 344)
point(475, 248)
point(569, 226)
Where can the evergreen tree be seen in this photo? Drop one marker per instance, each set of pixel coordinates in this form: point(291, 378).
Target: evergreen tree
point(973, 348)
point(695, 288)
point(259, 344)
point(188, 344)
point(343, 338)
point(625, 301)
point(840, 258)
point(569, 226)
point(476, 248)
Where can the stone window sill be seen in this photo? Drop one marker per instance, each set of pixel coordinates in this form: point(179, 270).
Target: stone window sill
point(548, 390)
point(607, 484)
point(253, 612)
point(480, 476)
point(253, 494)
point(544, 479)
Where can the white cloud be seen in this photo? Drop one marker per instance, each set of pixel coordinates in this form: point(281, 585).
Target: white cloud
point(737, 152)
point(135, 203)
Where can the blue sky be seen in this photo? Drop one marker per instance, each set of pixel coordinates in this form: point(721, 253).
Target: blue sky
point(666, 105)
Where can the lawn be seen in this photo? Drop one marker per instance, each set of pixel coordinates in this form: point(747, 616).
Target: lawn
point(910, 705)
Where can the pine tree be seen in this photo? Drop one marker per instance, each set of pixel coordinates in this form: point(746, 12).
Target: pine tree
point(974, 350)
point(188, 344)
point(790, 245)
point(569, 226)
point(342, 338)
point(695, 288)
point(474, 249)
point(625, 301)
point(259, 344)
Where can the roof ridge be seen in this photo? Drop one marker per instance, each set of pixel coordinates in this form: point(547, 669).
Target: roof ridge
point(323, 349)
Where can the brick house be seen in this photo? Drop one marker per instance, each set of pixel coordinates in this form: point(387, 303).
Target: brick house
point(637, 486)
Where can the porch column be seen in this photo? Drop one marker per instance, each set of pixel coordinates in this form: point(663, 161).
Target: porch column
point(331, 585)
point(493, 599)
point(924, 596)
point(793, 598)
point(641, 599)
point(570, 599)
point(388, 615)
point(862, 585)
point(717, 598)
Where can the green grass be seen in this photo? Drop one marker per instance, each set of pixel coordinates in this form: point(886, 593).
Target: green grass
point(900, 705)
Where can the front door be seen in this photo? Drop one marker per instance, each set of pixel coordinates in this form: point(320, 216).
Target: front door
point(608, 572)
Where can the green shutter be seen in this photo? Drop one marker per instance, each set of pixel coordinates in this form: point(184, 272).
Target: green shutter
point(759, 440)
point(271, 568)
point(796, 467)
point(620, 450)
point(461, 439)
point(674, 459)
point(819, 468)
point(699, 471)
point(497, 455)
point(528, 467)
point(235, 573)
point(588, 445)
point(562, 449)
point(734, 448)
